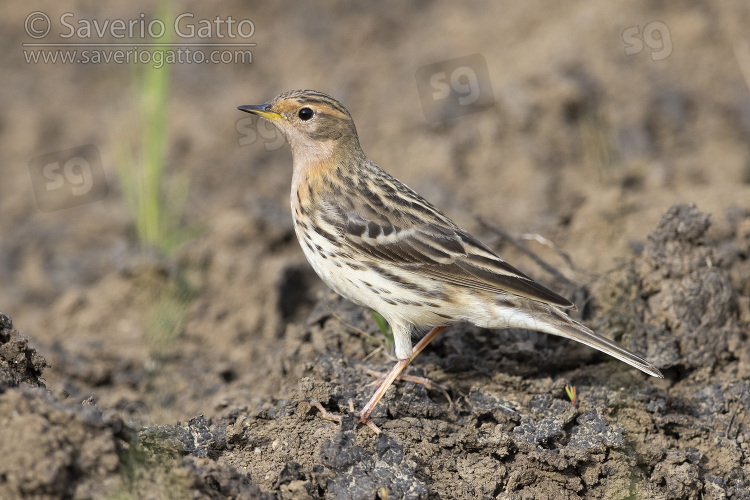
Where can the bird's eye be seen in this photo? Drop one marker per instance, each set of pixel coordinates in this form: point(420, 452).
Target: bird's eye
point(305, 114)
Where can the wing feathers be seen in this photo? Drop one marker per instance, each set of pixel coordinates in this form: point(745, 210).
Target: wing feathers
point(435, 248)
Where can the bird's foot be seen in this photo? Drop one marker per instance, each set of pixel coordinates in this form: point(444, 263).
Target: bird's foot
point(365, 419)
point(429, 384)
point(328, 415)
point(385, 383)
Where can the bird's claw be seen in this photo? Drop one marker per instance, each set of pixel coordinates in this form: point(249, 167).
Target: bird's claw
point(323, 412)
point(364, 419)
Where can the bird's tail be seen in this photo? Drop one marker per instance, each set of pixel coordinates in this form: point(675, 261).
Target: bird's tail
point(549, 319)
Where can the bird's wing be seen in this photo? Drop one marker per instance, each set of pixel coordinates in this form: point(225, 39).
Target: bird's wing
point(417, 238)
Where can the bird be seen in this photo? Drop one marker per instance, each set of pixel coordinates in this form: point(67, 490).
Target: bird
point(379, 244)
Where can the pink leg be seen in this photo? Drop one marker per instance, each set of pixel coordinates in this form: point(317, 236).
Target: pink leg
point(393, 375)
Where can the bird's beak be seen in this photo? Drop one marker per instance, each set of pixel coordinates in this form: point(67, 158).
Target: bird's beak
point(262, 110)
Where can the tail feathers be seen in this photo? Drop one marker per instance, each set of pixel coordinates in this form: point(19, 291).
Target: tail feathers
point(558, 323)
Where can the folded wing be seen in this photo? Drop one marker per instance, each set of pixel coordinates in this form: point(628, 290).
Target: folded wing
point(422, 240)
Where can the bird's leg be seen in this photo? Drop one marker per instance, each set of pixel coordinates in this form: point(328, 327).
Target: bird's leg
point(393, 375)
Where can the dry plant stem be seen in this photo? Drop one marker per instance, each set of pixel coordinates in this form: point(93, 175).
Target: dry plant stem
point(523, 248)
point(373, 353)
point(393, 375)
point(354, 328)
point(551, 245)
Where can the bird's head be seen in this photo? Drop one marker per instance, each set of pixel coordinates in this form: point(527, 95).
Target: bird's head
point(317, 126)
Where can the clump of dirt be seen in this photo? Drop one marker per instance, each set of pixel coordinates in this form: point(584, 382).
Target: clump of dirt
point(54, 449)
point(686, 293)
point(49, 448)
point(682, 302)
point(19, 363)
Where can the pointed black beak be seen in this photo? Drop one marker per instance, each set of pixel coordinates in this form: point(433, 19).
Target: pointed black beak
point(263, 110)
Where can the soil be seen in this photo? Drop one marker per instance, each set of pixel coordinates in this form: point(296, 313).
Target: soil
point(128, 373)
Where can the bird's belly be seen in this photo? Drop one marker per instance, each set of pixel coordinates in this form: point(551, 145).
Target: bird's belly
point(322, 258)
point(366, 288)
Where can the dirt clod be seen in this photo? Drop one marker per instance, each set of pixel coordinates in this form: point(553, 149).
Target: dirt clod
point(19, 363)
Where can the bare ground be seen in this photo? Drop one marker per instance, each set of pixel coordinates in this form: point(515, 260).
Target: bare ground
point(636, 169)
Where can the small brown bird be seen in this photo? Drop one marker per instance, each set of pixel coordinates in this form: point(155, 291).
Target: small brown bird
point(379, 244)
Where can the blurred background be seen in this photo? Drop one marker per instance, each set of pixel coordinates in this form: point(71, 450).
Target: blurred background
point(146, 244)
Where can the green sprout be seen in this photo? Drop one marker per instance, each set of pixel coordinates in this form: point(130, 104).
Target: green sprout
point(167, 315)
point(155, 197)
point(150, 466)
point(155, 201)
point(385, 328)
point(570, 390)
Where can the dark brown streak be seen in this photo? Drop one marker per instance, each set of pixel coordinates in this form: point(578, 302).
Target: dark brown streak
point(355, 228)
point(325, 234)
point(396, 280)
point(429, 251)
point(371, 196)
point(373, 229)
point(349, 182)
